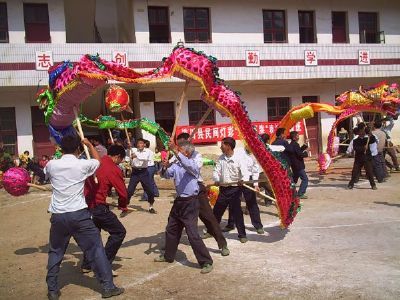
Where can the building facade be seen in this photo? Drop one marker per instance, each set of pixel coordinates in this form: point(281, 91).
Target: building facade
point(277, 54)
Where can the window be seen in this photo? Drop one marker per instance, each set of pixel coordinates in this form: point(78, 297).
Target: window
point(368, 25)
point(339, 27)
point(277, 108)
point(196, 23)
point(307, 27)
point(36, 18)
point(147, 96)
point(197, 109)
point(3, 23)
point(8, 129)
point(164, 113)
point(159, 24)
point(274, 26)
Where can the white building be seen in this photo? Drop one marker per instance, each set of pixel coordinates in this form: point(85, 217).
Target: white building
point(281, 33)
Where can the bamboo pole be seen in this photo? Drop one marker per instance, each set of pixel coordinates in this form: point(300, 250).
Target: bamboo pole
point(116, 205)
point(80, 131)
point(127, 135)
point(231, 183)
point(43, 188)
point(203, 118)
point(259, 193)
point(110, 134)
point(306, 134)
point(178, 112)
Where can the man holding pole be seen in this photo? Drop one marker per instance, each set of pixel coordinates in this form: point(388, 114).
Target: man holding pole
point(249, 195)
point(229, 173)
point(184, 213)
point(70, 217)
point(206, 214)
point(296, 158)
point(140, 161)
point(109, 176)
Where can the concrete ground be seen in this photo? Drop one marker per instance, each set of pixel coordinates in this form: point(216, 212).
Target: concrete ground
point(344, 244)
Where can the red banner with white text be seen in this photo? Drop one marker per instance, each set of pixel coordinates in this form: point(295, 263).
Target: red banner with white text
point(215, 133)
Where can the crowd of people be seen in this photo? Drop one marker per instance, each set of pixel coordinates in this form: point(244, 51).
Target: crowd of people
point(81, 187)
point(33, 165)
point(370, 146)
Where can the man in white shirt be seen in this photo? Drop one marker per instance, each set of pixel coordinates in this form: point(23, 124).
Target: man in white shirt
point(141, 157)
point(249, 195)
point(70, 216)
point(350, 149)
point(388, 124)
point(229, 173)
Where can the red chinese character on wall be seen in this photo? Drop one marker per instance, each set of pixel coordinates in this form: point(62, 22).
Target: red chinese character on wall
point(363, 57)
point(252, 58)
point(44, 60)
point(310, 58)
point(120, 58)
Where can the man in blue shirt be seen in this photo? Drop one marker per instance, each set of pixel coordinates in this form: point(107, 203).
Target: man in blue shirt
point(185, 210)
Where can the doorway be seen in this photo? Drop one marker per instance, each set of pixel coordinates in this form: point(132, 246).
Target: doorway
point(164, 113)
point(313, 129)
point(41, 135)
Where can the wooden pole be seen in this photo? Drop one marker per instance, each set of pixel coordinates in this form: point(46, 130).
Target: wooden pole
point(203, 118)
point(38, 187)
point(178, 112)
point(116, 205)
point(306, 134)
point(259, 193)
point(80, 131)
point(110, 134)
point(230, 183)
point(127, 135)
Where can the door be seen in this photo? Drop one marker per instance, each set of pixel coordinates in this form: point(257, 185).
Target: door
point(164, 113)
point(41, 135)
point(8, 130)
point(312, 128)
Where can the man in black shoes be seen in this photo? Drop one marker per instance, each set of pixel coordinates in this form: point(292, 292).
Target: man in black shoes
point(109, 176)
point(71, 217)
point(184, 212)
point(206, 214)
point(249, 195)
point(141, 157)
point(229, 172)
point(296, 157)
point(363, 157)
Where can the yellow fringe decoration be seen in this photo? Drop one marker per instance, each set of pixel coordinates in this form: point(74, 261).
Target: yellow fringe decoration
point(73, 84)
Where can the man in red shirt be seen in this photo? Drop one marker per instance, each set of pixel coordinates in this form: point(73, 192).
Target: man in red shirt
point(109, 175)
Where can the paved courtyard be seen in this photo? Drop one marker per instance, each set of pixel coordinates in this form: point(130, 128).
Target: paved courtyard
point(344, 244)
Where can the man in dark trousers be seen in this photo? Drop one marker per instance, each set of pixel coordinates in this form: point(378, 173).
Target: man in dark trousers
point(249, 196)
point(229, 173)
point(109, 176)
point(141, 157)
point(206, 214)
point(296, 158)
point(363, 156)
point(70, 216)
point(378, 160)
point(184, 212)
